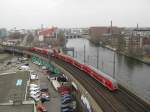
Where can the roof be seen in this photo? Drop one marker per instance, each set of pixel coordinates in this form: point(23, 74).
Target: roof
point(17, 108)
point(15, 86)
point(47, 32)
point(14, 91)
point(102, 73)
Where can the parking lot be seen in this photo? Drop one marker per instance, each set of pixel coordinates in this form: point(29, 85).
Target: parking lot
point(54, 104)
point(59, 89)
point(9, 89)
point(40, 88)
point(18, 108)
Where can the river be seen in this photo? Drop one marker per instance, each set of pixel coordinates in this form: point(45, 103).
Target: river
point(130, 73)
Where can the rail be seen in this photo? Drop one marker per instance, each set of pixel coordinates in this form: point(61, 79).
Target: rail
point(119, 101)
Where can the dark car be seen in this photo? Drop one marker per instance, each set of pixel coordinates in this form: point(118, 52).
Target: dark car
point(26, 64)
point(67, 110)
point(43, 87)
point(8, 63)
point(66, 97)
point(67, 100)
point(66, 105)
point(45, 97)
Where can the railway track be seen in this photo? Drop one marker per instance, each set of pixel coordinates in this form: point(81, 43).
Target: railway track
point(106, 106)
point(119, 101)
point(131, 100)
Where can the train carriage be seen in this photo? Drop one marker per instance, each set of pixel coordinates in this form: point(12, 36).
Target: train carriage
point(78, 64)
point(98, 75)
point(105, 79)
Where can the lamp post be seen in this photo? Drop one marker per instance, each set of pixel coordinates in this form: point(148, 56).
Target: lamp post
point(84, 54)
point(114, 63)
point(13, 50)
point(97, 57)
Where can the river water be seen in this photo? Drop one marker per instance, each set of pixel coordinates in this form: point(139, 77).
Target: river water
point(131, 73)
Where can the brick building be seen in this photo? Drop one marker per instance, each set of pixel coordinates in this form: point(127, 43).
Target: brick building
point(103, 33)
point(47, 33)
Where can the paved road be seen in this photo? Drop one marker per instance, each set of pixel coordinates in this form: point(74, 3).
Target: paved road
point(23, 43)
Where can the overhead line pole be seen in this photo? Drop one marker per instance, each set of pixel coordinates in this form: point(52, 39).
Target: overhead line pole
point(97, 57)
point(84, 54)
point(114, 62)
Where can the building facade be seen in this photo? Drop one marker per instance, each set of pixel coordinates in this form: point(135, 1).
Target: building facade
point(3, 33)
point(98, 34)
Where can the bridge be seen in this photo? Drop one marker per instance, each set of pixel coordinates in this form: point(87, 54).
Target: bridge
point(71, 36)
point(100, 99)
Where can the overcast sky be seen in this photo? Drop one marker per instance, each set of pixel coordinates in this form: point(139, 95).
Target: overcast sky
point(73, 13)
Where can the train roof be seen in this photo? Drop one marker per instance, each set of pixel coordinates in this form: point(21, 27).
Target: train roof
point(74, 59)
point(96, 70)
point(102, 73)
point(78, 61)
point(42, 48)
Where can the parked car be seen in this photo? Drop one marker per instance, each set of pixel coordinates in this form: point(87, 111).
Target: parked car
point(24, 59)
point(67, 98)
point(44, 87)
point(26, 64)
point(66, 105)
point(48, 77)
point(35, 97)
point(41, 108)
point(34, 93)
point(25, 67)
point(34, 77)
point(34, 88)
point(64, 88)
point(64, 97)
point(44, 68)
point(65, 101)
point(45, 96)
point(67, 110)
point(65, 92)
point(34, 85)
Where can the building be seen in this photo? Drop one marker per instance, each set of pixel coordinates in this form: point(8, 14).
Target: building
point(47, 33)
point(137, 43)
point(101, 33)
point(137, 37)
point(117, 41)
point(75, 32)
point(13, 99)
point(3, 33)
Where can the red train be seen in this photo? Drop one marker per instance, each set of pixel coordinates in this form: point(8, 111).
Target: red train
point(42, 51)
point(101, 77)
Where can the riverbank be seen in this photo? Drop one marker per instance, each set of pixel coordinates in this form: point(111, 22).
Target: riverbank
point(130, 73)
point(144, 60)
